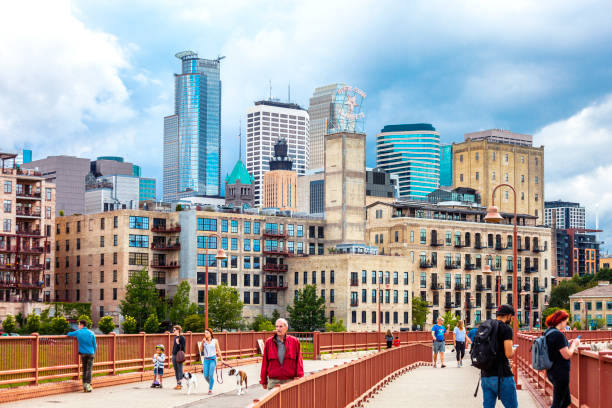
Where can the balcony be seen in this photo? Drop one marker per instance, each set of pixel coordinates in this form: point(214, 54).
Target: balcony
point(170, 265)
point(276, 252)
point(531, 269)
point(522, 249)
point(539, 289)
point(426, 264)
point(166, 247)
point(28, 196)
point(538, 249)
point(459, 287)
point(480, 287)
point(166, 230)
point(459, 244)
point(449, 305)
point(354, 302)
point(451, 265)
point(26, 213)
point(273, 286)
point(436, 286)
point(500, 247)
point(8, 266)
point(527, 288)
point(354, 282)
point(23, 284)
point(270, 267)
point(273, 233)
point(478, 245)
point(31, 267)
point(28, 232)
point(470, 267)
point(32, 250)
point(491, 306)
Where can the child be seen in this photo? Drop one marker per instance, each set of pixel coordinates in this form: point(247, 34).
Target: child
point(158, 366)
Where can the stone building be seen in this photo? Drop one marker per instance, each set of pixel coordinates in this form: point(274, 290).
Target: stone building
point(591, 304)
point(280, 183)
point(239, 187)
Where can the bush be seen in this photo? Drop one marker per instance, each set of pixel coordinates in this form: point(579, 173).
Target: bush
point(87, 319)
point(335, 326)
point(194, 323)
point(59, 325)
point(106, 324)
point(9, 325)
point(32, 323)
point(262, 323)
point(576, 325)
point(151, 325)
point(129, 325)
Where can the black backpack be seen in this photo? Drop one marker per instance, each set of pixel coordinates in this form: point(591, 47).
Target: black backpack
point(484, 347)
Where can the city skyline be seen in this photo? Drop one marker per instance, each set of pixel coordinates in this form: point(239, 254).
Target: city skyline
point(547, 79)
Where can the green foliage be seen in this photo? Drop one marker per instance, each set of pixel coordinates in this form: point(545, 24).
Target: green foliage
point(194, 323)
point(419, 311)
point(450, 320)
point(224, 307)
point(559, 295)
point(335, 326)
point(106, 324)
point(32, 323)
point(87, 319)
point(181, 306)
point(151, 325)
point(178, 207)
point(262, 323)
point(576, 325)
point(129, 325)
point(275, 316)
point(598, 323)
point(20, 318)
point(9, 325)
point(548, 311)
point(59, 325)
point(308, 310)
point(71, 310)
point(141, 298)
point(61, 213)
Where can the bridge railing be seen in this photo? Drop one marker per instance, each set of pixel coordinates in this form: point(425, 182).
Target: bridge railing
point(349, 383)
point(590, 372)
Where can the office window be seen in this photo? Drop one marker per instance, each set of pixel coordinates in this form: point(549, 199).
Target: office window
point(247, 244)
point(138, 222)
point(207, 224)
point(234, 227)
point(300, 230)
point(223, 225)
point(247, 227)
point(234, 244)
point(256, 229)
point(136, 241)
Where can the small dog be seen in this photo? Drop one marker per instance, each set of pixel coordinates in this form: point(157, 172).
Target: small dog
point(241, 380)
point(190, 382)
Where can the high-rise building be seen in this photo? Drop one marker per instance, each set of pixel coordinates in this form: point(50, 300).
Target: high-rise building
point(577, 252)
point(192, 136)
point(280, 183)
point(483, 164)
point(446, 165)
point(321, 111)
point(148, 189)
point(267, 122)
point(412, 151)
point(109, 193)
point(568, 215)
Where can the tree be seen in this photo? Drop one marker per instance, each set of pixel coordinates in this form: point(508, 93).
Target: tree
point(61, 213)
point(9, 325)
point(32, 323)
point(129, 325)
point(151, 325)
point(59, 325)
point(106, 324)
point(559, 295)
point(547, 312)
point(419, 311)
point(598, 323)
point(262, 323)
point(335, 326)
point(181, 306)
point(194, 323)
point(450, 320)
point(141, 298)
point(275, 316)
point(224, 307)
point(87, 319)
point(308, 310)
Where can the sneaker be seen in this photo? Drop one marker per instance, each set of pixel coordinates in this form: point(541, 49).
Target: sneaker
point(442, 366)
point(159, 386)
point(88, 388)
point(153, 385)
point(178, 387)
point(209, 392)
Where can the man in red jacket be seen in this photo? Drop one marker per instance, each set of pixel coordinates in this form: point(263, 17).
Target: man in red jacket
point(282, 358)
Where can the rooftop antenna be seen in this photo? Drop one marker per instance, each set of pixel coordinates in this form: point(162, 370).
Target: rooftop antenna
point(289, 92)
point(270, 82)
point(219, 58)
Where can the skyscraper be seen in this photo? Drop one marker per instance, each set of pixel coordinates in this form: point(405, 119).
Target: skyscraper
point(568, 215)
point(321, 112)
point(267, 122)
point(192, 136)
point(411, 151)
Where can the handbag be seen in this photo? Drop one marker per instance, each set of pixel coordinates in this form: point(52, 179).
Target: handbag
point(180, 357)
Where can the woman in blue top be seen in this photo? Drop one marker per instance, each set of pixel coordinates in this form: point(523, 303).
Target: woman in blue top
point(459, 340)
point(210, 351)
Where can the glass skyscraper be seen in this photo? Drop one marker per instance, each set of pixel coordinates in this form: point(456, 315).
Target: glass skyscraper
point(412, 151)
point(192, 136)
point(446, 165)
point(321, 113)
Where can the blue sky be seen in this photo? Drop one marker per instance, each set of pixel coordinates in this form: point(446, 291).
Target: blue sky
point(96, 78)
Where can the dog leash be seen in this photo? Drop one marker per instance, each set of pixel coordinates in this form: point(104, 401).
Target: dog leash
point(220, 369)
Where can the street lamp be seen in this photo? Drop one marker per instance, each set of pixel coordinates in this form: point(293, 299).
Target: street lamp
point(493, 216)
point(221, 255)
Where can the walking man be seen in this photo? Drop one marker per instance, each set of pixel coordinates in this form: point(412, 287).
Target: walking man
point(87, 348)
point(437, 333)
point(282, 358)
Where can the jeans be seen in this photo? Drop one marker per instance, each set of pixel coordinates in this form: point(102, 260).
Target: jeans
point(460, 349)
point(561, 391)
point(209, 366)
point(178, 369)
point(87, 362)
point(507, 392)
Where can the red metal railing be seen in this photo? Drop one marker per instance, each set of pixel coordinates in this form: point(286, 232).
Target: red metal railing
point(590, 372)
point(347, 384)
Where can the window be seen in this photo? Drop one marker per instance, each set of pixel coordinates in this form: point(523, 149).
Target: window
point(8, 187)
point(247, 227)
point(493, 156)
point(395, 296)
point(300, 230)
point(290, 230)
point(492, 175)
point(331, 296)
point(477, 176)
point(223, 225)
point(461, 158)
point(101, 294)
point(114, 258)
point(246, 244)
point(256, 230)
point(406, 297)
point(7, 206)
point(476, 156)
point(115, 276)
point(405, 278)
point(256, 245)
point(139, 222)
point(101, 223)
point(536, 179)
point(247, 298)
point(247, 280)
point(331, 276)
point(305, 277)
point(423, 236)
point(136, 241)
point(115, 240)
point(461, 177)
point(234, 227)
point(116, 221)
point(323, 277)
point(114, 293)
point(207, 224)
point(136, 258)
point(234, 244)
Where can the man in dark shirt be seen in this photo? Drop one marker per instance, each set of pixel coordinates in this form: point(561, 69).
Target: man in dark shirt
point(498, 380)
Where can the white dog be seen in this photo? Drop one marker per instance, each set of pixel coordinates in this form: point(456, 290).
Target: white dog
point(241, 380)
point(190, 382)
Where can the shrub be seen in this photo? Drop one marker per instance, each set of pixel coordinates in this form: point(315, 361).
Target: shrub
point(194, 323)
point(59, 325)
point(9, 325)
point(129, 325)
point(151, 325)
point(32, 323)
point(106, 324)
point(86, 318)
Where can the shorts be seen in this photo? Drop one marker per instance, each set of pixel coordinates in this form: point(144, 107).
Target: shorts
point(158, 371)
point(439, 346)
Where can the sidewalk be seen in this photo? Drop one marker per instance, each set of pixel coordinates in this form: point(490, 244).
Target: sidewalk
point(439, 387)
point(139, 395)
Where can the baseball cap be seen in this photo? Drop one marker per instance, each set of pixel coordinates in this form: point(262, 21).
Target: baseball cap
point(505, 310)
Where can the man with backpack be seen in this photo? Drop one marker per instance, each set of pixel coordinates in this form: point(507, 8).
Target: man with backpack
point(490, 353)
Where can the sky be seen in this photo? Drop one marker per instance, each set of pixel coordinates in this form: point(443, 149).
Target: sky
point(96, 78)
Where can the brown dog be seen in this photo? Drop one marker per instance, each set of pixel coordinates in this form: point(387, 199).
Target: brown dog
point(241, 380)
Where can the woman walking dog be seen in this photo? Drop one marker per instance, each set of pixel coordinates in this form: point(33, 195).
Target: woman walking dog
point(210, 351)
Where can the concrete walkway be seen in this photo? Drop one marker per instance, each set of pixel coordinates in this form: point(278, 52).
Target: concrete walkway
point(139, 395)
point(439, 387)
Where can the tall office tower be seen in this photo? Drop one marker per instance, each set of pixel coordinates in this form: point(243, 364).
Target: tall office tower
point(192, 136)
point(446, 165)
point(568, 215)
point(270, 121)
point(322, 111)
point(492, 157)
point(412, 151)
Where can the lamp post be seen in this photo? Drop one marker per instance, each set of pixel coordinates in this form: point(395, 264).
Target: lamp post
point(493, 216)
point(221, 255)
